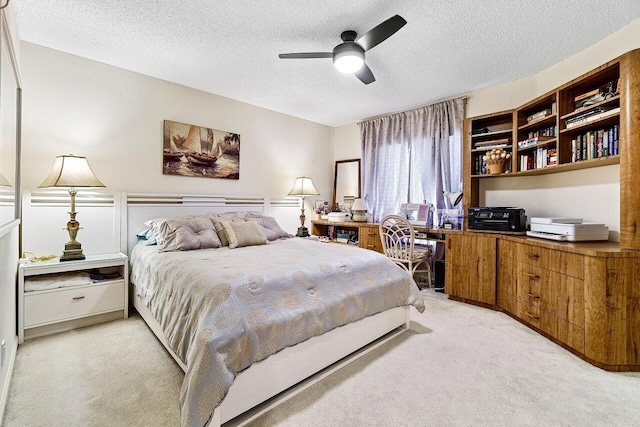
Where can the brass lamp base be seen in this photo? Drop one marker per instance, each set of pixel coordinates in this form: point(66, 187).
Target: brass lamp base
point(72, 252)
point(302, 232)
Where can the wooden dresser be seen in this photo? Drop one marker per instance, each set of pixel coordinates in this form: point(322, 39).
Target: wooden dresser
point(583, 296)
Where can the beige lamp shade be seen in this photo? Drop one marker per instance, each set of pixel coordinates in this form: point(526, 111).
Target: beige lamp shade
point(359, 205)
point(4, 182)
point(71, 171)
point(303, 187)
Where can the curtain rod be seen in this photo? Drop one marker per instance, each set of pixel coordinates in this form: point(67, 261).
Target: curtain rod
point(464, 98)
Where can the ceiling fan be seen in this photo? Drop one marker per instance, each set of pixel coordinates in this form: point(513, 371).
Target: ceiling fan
point(348, 56)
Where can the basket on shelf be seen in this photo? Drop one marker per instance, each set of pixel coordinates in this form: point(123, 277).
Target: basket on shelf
point(496, 160)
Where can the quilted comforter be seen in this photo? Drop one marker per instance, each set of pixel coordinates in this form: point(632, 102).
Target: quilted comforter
point(223, 309)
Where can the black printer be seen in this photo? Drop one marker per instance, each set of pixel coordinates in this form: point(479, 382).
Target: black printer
point(497, 219)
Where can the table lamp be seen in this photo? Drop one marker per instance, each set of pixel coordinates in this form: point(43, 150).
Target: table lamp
point(303, 187)
point(71, 171)
point(359, 209)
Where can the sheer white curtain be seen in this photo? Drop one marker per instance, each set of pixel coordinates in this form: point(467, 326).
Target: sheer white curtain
point(412, 157)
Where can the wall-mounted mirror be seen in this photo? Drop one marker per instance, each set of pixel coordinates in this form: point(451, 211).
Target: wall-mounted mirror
point(9, 118)
point(346, 181)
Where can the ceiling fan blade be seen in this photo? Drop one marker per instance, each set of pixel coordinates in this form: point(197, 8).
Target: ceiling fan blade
point(365, 75)
point(306, 55)
point(382, 32)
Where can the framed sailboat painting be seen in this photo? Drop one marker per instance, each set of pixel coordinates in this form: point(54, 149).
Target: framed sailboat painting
point(191, 150)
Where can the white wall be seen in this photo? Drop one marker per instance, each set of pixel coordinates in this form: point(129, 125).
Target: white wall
point(591, 194)
point(115, 118)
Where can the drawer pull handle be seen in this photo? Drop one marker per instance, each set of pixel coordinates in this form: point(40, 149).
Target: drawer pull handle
point(531, 315)
point(532, 295)
point(78, 298)
point(533, 276)
point(534, 256)
point(371, 233)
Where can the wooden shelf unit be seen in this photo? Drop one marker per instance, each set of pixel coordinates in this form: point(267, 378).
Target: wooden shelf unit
point(592, 308)
point(622, 118)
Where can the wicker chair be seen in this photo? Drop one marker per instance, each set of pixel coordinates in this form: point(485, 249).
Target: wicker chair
point(398, 244)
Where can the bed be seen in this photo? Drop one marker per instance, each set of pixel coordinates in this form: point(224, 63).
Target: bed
point(253, 325)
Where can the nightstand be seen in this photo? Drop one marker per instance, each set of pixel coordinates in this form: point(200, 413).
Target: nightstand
point(101, 298)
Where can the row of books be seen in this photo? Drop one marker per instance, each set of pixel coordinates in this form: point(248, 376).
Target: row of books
point(591, 115)
point(551, 131)
point(595, 144)
point(343, 235)
point(537, 159)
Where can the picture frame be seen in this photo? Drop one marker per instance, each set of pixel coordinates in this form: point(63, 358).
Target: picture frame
point(197, 151)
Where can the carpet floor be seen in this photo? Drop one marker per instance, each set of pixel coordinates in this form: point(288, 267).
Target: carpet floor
point(458, 365)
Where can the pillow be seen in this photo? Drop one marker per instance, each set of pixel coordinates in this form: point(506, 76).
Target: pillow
point(185, 234)
point(220, 230)
point(146, 237)
point(247, 233)
point(270, 228)
point(242, 214)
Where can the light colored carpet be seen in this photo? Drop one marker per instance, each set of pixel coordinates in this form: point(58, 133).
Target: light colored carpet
point(459, 365)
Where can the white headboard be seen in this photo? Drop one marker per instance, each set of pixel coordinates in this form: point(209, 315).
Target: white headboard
point(142, 207)
point(110, 221)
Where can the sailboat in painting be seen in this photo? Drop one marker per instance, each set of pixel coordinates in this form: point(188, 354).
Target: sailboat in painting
point(197, 154)
point(172, 154)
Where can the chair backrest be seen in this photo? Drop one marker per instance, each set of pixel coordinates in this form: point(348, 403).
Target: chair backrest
point(397, 236)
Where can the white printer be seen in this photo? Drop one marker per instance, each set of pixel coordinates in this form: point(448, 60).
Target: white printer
point(567, 229)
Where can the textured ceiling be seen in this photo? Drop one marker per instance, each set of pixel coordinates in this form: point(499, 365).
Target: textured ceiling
point(230, 47)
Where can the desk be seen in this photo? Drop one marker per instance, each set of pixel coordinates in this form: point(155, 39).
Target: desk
point(435, 234)
point(369, 233)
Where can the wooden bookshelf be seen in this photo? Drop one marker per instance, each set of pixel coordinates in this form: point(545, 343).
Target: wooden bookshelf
point(621, 125)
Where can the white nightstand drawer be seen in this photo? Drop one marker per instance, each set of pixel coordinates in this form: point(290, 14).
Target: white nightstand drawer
point(49, 307)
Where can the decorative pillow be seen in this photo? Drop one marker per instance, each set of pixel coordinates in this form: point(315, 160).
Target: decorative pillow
point(247, 233)
point(242, 214)
point(220, 230)
point(270, 228)
point(185, 234)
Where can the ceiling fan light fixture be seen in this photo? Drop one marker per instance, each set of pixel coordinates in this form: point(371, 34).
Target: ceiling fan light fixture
point(348, 57)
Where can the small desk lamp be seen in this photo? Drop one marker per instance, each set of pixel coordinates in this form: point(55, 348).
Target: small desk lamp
point(303, 187)
point(454, 198)
point(71, 171)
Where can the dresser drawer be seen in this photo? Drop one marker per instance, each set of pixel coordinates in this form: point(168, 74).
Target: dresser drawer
point(59, 305)
point(370, 238)
point(559, 294)
point(558, 261)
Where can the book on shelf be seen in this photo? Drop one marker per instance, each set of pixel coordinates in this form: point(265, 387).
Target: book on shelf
point(595, 144)
point(533, 141)
point(606, 91)
point(591, 115)
point(586, 95)
point(491, 142)
point(539, 115)
point(490, 147)
point(539, 158)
